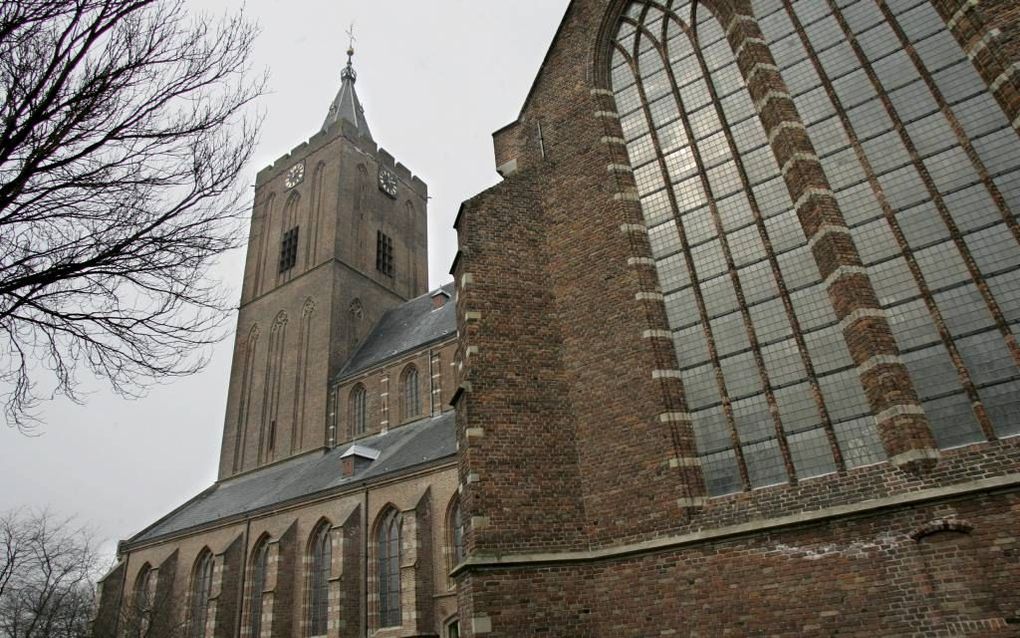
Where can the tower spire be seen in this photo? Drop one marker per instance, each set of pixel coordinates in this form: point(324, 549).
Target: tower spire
point(346, 105)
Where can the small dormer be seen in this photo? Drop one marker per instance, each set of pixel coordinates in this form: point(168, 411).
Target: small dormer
point(356, 459)
point(439, 298)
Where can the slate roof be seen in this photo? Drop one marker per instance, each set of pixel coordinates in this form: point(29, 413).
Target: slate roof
point(403, 448)
point(407, 327)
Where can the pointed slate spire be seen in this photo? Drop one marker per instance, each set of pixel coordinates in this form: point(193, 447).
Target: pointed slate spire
point(346, 105)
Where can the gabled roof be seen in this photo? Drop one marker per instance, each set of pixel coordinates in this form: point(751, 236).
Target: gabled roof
point(416, 444)
point(407, 327)
point(346, 105)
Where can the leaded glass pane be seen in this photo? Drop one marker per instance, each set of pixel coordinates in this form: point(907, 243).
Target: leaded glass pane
point(1003, 405)
point(811, 453)
point(952, 421)
point(764, 463)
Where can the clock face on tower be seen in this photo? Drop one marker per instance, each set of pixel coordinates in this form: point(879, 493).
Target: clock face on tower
point(388, 182)
point(295, 175)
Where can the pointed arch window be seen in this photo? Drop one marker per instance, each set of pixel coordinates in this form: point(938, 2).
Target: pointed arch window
point(722, 228)
point(388, 556)
point(410, 395)
point(259, 573)
point(456, 533)
point(142, 601)
point(201, 589)
point(453, 629)
point(289, 240)
point(356, 408)
point(318, 582)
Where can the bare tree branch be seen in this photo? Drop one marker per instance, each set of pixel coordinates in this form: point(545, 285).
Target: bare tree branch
point(48, 569)
point(123, 131)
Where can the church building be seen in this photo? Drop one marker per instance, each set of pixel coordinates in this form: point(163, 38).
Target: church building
point(730, 351)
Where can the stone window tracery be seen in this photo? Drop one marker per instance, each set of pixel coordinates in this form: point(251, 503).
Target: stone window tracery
point(318, 581)
point(142, 601)
point(754, 332)
point(923, 162)
point(356, 410)
point(410, 397)
point(456, 534)
point(259, 576)
point(388, 537)
point(771, 386)
point(201, 589)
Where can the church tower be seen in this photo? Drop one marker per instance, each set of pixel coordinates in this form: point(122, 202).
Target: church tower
point(338, 236)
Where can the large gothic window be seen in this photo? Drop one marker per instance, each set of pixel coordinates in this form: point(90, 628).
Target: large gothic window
point(142, 601)
point(259, 573)
point(201, 589)
point(318, 581)
point(926, 168)
point(356, 409)
point(769, 380)
point(768, 377)
point(410, 401)
point(388, 559)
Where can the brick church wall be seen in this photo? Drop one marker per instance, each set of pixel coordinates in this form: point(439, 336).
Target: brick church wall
point(437, 383)
point(425, 573)
point(290, 530)
point(517, 447)
point(166, 609)
point(231, 568)
point(646, 552)
point(352, 590)
point(887, 574)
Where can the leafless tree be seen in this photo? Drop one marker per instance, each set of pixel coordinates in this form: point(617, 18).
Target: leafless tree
point(47, 573)
point(158, 615)
point(124, 126)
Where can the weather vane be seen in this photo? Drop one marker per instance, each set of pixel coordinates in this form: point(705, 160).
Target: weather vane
point(348, 72)
point(350, 46)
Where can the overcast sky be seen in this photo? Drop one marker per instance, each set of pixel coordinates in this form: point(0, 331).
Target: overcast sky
point(436, 79)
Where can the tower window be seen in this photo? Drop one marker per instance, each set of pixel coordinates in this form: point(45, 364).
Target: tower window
point(288, 249)
point(384, 253)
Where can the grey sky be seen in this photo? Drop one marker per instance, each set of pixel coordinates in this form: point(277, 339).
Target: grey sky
point(436, 79)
